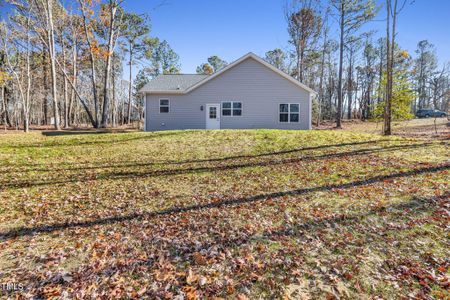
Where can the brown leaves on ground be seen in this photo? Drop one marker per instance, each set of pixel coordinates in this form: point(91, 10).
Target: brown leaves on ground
point(224, 214)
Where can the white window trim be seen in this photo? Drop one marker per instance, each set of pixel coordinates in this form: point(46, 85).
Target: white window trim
point(288, 112)
point(159, 105)
point(232, 115)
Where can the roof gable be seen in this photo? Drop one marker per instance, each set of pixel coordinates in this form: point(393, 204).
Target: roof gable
point(259, 60)
point(207, 78)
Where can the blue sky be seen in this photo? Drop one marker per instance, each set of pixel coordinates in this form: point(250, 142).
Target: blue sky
point(197, 29)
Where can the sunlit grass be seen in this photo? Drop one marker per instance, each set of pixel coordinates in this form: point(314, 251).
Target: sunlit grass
point(223, 213)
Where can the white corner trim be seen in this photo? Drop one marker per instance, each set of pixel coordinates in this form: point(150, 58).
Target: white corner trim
point(145, 112)
point(310, 110)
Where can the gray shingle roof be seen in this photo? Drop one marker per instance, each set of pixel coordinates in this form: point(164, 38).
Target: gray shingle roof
point(175, 82)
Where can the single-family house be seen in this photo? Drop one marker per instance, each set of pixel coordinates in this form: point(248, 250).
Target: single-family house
point(248, 93)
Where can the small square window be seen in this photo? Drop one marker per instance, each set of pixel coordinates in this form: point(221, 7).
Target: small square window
point(226, 112)
point(226, 105)
point(293, 107)
point(293, 118)
point(284, 108)
point(284, 118)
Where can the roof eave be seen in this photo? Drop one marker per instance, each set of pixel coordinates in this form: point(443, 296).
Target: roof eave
point(163, 92)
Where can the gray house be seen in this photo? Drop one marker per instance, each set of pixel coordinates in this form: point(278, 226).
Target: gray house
point(248, 93)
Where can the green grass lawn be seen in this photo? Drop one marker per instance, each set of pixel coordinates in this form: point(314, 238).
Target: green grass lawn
point(203, 214)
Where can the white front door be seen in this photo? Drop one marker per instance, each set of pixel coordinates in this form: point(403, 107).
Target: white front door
point(212, 116)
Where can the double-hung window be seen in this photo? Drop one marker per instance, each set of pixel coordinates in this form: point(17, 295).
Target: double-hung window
point(164, 106)
point(231, 108)
point(289, 113)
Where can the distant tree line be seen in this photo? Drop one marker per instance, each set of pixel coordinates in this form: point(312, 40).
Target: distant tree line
point(355, 75)
point(62, 64)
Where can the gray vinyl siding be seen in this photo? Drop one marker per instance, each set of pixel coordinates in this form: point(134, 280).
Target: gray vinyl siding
point(260, 90)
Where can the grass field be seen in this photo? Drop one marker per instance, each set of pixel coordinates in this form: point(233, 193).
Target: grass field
point(230, 214)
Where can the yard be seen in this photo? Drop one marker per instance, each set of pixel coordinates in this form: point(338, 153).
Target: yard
point(230, 214)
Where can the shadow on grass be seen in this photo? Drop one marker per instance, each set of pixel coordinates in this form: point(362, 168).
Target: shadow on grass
point(309, 226)
point(181, 162)
point(26, 231)
point(81, 132)
point(185, 250)
point(171, 172)
point(56, 143)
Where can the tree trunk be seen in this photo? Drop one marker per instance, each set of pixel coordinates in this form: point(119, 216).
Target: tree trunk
point(92, 64)
point(65, 92)
point(74, 81)
point(105, 114)
point(129, 86)
point(4, 106)
point(421, 83)
point(322, 68)
point(26, 104)
point(302, 58)
point(114, 110)
point(46, 88)
point(341, 57)
point(387, 106)
point(391, 73)
point(52, 54)
point(122, 119)
point(380, 74)
point(369, 99)
point(5, 101)
point(350, 86)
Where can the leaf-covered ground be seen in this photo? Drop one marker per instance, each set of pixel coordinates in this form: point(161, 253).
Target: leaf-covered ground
point(428, 129)
point(230, 214)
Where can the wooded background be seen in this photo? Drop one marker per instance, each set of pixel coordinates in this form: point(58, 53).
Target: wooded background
point(62, 65)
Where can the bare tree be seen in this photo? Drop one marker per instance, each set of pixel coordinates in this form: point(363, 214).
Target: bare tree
point(47, 7)
point(304, 27)
point(352, 15)
point(439, 86)
point(93, 49)
point(17, 61)
point(75, 26)
point(62, 25)
point(136, 28)
point(392, 13)
point(112, 38)
point(322, 67)
point(352, 46)
point(368, 73)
